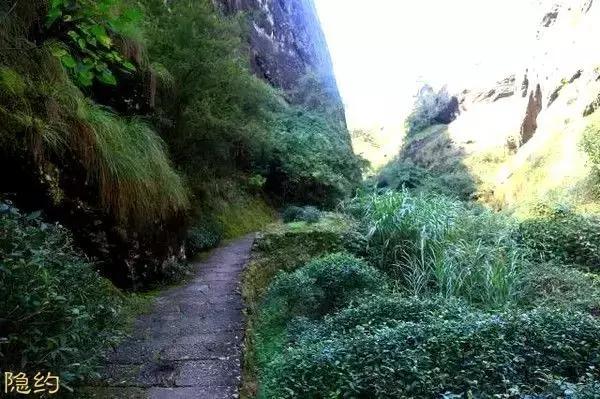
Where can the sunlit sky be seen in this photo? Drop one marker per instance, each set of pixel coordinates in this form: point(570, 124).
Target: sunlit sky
point(382, 49)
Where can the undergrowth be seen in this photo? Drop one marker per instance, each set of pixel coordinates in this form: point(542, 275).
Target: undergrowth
point(57, 312)
point(451, 300)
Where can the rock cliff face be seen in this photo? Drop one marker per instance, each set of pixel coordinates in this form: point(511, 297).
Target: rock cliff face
point(528, 126)
point(561, 58)
point(288, 49)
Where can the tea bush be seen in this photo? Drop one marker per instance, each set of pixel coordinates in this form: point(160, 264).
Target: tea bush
point(478, 355)
point(382, 309)
point(308, 214)
point(551, 284)
point(561, 234)
point(56, 311)
point(319, 287)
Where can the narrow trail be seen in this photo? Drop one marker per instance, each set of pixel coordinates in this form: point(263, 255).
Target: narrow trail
point(189, 346)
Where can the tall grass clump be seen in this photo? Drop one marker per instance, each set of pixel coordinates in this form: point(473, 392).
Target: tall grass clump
point(132, 167)
point(45, 116)
point(434, 243)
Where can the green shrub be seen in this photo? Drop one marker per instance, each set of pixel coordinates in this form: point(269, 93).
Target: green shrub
point(561, 234)
point(400, 174)
point(288, 247)
point(215, 116)
point(477, 355)
point(320, 287)
point(56, 312)
point(203, 236)
point(383, 309)
point(312, 160)
point(550, 284)
point(308, 214)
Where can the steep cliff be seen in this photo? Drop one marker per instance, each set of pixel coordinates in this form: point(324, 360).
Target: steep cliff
point(521, 136)
point(288, 49)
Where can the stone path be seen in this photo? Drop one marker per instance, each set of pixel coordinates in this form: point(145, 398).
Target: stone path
point(190, 345)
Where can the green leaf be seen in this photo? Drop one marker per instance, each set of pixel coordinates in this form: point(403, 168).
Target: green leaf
point(100, 34)
point(68, 61)
point(58, 51)
point(107, 77)
point(129, 66)
point(85, 76)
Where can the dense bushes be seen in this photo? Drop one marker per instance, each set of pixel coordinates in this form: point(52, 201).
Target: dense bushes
point(308, 214)
point(56, 312)
point(203, 236)
point(465, 310)
point(219, 117)
point(319, 287)
point(482, 355)
point(400, 174)
point(313, 160)
point(560, 234)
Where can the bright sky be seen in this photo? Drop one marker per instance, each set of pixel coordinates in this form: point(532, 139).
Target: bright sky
point(381, 49)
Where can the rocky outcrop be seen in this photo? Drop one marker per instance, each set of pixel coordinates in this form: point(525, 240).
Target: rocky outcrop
point(502, 89)
point(534, 107)
point(288, 49)
point(560, 61)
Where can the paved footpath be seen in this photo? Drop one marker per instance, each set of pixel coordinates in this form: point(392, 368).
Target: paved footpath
point(189, 346)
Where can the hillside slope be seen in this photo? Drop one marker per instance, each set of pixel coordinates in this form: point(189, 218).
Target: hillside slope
point(520, 139)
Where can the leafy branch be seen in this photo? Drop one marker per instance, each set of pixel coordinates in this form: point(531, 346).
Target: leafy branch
point(86, 28)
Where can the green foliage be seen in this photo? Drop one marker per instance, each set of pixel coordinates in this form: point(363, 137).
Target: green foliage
point(384, 309)
point(590, 143)
point(405, 174)
point(432, 242)
point(319, 287)
point(203, 236)
point(214, 119)
point(551, 284)
point(56, 312)
point(134, 172)
point(124, 159)
point(482, 320)
point(308, 214)
point(561, 234)
point(220, 117)
point(313, 160)
point(287, 247)
point(243, 214)
point(87, 28)
point(476, 355)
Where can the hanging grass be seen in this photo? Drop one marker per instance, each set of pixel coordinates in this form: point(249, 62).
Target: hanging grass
point(122, 156)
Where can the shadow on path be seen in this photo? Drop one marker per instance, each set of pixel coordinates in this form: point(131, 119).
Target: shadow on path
point(189, 346)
